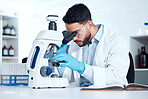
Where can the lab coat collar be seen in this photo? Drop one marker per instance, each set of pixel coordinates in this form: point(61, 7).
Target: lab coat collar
point(99, 33)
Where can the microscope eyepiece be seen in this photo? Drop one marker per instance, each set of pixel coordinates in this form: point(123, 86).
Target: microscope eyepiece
point(52, 23)
point(68, 36)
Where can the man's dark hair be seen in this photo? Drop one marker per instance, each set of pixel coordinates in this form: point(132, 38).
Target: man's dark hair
point(77, 13)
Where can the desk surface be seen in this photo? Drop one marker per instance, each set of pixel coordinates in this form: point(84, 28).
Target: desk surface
point(21, 92)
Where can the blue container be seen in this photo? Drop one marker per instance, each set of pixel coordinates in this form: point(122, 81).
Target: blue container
point(13, 80)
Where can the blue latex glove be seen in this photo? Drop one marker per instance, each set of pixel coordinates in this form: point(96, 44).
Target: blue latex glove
point(62, 49)
point(71, 62)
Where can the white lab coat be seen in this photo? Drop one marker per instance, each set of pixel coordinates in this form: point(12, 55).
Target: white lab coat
point(111, 60)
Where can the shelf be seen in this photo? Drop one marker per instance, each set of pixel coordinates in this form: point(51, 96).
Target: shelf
point(141, 69)
point(7, 57)
point(8, 16)
point(8, 40)
point(138, 36)
point(9, 37)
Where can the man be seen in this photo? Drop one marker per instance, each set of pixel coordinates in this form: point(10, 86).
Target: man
point(96, 55)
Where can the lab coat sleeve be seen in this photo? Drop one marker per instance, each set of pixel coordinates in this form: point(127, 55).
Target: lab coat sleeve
point(92, 74)
point(118, 63)
point(88, 73)
point(115, 66)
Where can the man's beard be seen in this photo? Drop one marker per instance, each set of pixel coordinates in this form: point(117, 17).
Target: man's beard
point(85, 41)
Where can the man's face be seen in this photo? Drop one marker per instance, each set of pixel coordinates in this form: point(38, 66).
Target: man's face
point(83, 35)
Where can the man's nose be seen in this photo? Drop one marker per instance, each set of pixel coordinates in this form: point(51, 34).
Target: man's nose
point(75, 38)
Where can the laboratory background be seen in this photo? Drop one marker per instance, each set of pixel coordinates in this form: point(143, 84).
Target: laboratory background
point(22, 20)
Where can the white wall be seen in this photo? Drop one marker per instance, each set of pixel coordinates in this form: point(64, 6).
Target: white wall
point(121, 16)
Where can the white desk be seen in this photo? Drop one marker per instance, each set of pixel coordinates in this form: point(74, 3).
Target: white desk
point(21, 92)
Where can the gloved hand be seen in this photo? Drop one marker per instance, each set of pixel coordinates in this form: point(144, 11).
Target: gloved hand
point(71, 62)
point(62, 49)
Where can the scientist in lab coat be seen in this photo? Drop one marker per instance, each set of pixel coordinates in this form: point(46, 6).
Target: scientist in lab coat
point(96, 56)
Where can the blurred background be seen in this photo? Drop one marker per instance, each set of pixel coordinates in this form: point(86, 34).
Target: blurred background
point(125, 17)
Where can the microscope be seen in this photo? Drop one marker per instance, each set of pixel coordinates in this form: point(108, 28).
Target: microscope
point(43, 69)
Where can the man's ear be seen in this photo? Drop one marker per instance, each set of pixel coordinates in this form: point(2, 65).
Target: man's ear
point(90, 25)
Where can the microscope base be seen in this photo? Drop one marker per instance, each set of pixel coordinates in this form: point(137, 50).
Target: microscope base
point(50, 83)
